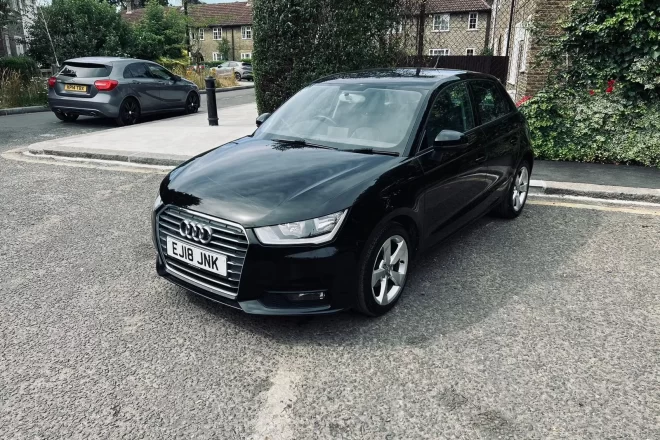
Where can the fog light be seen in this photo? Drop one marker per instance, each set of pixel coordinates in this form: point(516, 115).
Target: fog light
point(306, 296)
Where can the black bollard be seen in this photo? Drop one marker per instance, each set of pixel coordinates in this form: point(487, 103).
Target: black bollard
point(210, 101)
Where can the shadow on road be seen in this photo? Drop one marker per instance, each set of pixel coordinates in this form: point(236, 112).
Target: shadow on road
point(453, 286)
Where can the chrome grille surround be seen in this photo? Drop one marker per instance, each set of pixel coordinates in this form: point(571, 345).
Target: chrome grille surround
point(228, 238)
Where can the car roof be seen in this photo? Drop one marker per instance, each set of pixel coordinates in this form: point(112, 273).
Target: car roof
point(423, 77)
point(99, 60)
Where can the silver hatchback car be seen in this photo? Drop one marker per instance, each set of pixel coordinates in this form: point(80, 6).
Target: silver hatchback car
point(120, 88)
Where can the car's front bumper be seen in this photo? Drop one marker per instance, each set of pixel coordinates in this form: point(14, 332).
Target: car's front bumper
point(285, 280)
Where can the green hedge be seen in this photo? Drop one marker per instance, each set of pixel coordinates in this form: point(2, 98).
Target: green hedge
point(26, 66)
point(298, 41)
point(570, 124)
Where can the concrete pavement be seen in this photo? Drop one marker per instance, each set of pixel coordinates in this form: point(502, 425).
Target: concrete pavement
point(164, 142)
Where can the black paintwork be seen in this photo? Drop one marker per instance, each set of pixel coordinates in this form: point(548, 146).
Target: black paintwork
point(432, 192)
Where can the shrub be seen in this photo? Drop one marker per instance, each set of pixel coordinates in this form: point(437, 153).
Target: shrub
point(574, 124)
point(199, 78)
point(298, 41)
point(25, 66)
point(177, 66)
point(15, 91)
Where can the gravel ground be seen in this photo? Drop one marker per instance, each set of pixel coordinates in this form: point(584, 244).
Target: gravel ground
point(22, 130)
point(546, 327)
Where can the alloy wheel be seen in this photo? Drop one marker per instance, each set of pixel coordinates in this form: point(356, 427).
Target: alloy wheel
point(389, 272)
point(130, 112)
point(520, 189)
point(192, 103)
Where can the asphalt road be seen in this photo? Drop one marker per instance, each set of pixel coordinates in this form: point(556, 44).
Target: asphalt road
point(546, 327)
point(22, 130)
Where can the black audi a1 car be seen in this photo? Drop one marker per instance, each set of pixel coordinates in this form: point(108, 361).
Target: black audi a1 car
point(327, 204)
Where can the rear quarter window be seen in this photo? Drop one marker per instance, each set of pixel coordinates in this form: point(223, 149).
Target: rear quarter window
point(84, 70)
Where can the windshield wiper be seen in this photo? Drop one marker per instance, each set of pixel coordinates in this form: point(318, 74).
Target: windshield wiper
point(302, 142)
point(372, 151)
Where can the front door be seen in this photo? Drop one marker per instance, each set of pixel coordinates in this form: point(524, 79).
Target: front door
point(144, 86)
point(455, 181)
point(173, 93)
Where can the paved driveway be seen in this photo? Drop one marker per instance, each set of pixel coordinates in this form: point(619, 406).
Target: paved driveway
point(541, 328)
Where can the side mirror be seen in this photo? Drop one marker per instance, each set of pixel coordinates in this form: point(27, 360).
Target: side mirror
point(450, 139)
point(176, 78)
point(262, 118)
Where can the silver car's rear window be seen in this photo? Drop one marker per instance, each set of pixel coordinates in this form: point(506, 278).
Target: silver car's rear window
point(85, 70)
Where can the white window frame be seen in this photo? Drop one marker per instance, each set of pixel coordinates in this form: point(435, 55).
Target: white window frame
point(474, 51)
point(476, 21)
point(217, 56)
point(217, 33)
point(18, 43)
point(244, 31)
point(246, 55)
point(200, 33)
point(439, 52)
point(442, 18)
point(519, 54)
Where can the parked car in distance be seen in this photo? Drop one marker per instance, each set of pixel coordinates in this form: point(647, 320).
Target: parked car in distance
point(327, 204)
point(241, 70)
point(120, 88)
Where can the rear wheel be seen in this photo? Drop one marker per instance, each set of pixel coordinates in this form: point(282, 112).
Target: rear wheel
point(129, 112)
point(192, 103)
point(384, 270)
point(66, 117)
point(514, 200)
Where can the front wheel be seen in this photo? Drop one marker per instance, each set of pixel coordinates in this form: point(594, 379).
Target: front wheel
point(237, 76)
point(514, 200)
point(384, 270)
point(192, 103)
point(66, 117)
point(129, 112)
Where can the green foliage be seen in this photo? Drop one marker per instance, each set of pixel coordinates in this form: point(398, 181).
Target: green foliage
point(571, 124)
point(160, 33)
point(247, 61)
point(78, 28)
point(224, 48)
point(176, 66)
point(7, 15)
point(298, 41)
point(612, 39)
point(25, 66)
point(17, 91)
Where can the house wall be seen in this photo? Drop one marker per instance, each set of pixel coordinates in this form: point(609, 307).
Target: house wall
point(233, 35)
point(458, 38)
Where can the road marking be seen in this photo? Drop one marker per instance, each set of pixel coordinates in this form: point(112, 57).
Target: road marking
point(274, 421)
point(628, 210)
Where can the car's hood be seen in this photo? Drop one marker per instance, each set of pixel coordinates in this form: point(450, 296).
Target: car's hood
point(260, 183)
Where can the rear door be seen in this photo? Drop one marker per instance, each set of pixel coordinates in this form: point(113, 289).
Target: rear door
point(454, 179)
point(501, 125)
point(172, 93)
point(144, 86)
point(77, 79)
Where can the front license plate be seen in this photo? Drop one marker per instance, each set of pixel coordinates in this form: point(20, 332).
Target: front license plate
point(210, 261)
point(75, 88)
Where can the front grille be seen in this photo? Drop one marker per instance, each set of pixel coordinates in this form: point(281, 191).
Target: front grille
point(228, 239)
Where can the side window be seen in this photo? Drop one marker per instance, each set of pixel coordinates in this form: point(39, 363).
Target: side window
point(138, 70)
point(159, 72)
point(127, 72)
point(451, 111)
point(490, 102)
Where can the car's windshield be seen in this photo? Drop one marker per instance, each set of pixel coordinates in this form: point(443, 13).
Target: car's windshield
point(347, 116)
point(85, 70)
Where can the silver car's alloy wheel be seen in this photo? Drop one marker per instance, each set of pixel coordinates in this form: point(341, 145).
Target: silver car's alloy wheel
point(389, 272)
point(520, 189)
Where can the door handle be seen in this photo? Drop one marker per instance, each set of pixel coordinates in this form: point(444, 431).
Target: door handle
point(136, 81)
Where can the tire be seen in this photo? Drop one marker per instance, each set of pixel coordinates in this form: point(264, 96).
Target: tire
point(237, 76)
point(66, 117)
point(516, 195)
point(192, 103)
point(372, 299)
point(129, 112)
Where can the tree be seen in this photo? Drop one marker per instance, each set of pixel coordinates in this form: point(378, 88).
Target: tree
point(160, 33)
point(297, 41)
point(224, 48)
point(7, 15)
point(78, 28)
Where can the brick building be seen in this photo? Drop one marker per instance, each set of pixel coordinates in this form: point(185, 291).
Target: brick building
point(214, 23)
point(513, 29)
point(13, 36)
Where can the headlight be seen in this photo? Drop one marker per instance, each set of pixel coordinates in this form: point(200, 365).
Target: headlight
point(315, 231)
point(158, 203)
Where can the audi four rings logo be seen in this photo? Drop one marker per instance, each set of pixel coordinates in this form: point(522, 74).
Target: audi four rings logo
point(195, 231)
